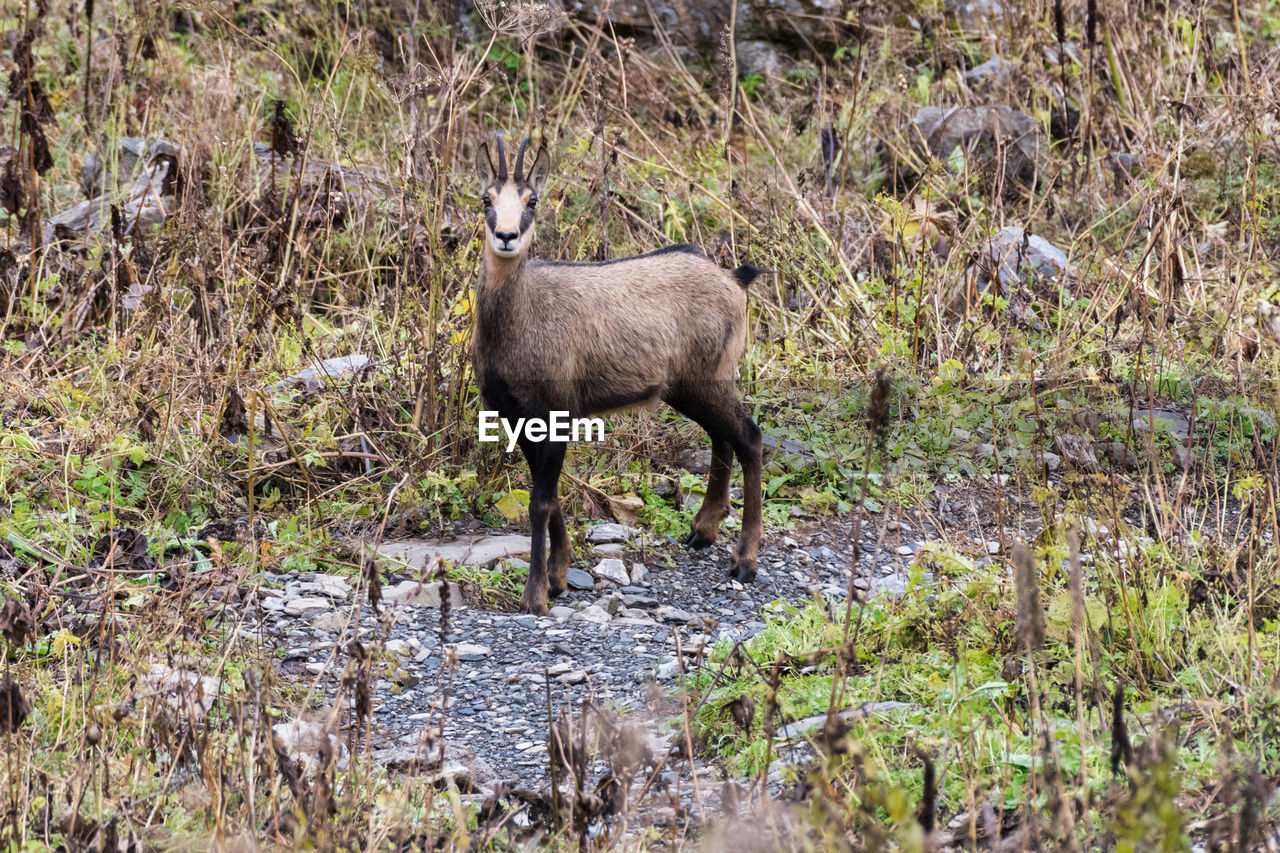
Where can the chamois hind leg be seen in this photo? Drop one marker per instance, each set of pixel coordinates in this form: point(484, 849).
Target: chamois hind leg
point(545, 460)
point(715, 506)
point(748, 445)
point(725, 419)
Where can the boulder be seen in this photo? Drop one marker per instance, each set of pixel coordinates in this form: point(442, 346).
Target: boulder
point(1002, 147)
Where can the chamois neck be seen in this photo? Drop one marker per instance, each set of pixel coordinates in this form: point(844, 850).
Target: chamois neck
point(497, 273)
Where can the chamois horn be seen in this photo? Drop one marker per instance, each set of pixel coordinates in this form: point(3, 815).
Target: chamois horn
point(524, 143)
point(502, 161)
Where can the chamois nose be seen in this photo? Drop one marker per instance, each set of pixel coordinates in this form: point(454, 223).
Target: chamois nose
point(506, 236)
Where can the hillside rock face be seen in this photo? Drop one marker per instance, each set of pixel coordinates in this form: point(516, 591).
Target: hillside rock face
point(785, 21)
point(699, 23)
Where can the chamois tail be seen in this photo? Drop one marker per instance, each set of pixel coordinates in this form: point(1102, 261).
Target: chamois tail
point(747, 273)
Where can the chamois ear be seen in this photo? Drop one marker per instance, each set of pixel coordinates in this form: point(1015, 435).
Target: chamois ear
point(484, 166)
point(539, 170)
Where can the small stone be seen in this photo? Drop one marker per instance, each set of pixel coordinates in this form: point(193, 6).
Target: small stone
point(608, 532)
point(592, 613)
point(526, 621)
point(613, 570)
point(639, 573)
point(610, 549)
point(559, 668)
point(576, 676)
point(668, 669)
point(993, 547)
point(399, 647)
point(471, 651)
point(306, 604)
point(578, 579)
point(674, 614)
point(643, 602)
point(561, 612)
point(1184, 457)
point(329, 621)
point(905, 550)
point(417, 594)
point(1052, 460)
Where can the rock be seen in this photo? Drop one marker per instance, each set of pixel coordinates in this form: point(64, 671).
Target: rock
point(787, 454)
point(471, 651)
point(561, 612)
point(1118, 454)
point(609, 532)
point(302, 739)
point(975, 15)
point(906, 550)
point(893, 585)
point(668, 669)
point(576, 676)
point(1052, 461)
point(759, 57)
point(133, 153)
point(306, 604)
point(994, 70)
point(612, 570)
point(674, 614)
point(592, 613)
point(421, 594)
point(609, 549)
point(1173, 422)
point(993, 547)
point(578, 579)
point(997, 144)
point(639, 573)
point(1076, 450)
point(333, 586)
point(867, 709)
point(469, 550)
point(184, 691)
point(312, 379)
point(329, 621)
point(643, 602)
point(785, 22)
point(696, 461)
point(1012, 257)
point(1184, 457)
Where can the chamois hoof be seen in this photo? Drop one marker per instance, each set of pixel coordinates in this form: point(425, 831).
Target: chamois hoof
point(742, 570)
point(697, 541)
point(536, 605)
point(555, 591)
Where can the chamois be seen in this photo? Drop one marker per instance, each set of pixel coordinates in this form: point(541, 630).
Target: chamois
point(589, 338)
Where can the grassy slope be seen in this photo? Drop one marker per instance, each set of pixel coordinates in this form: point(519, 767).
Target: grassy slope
point(115, 419)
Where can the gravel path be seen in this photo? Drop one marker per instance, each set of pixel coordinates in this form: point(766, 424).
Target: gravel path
point(614, 642)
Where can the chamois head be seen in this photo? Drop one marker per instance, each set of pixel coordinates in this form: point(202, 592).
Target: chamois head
point(509, 200)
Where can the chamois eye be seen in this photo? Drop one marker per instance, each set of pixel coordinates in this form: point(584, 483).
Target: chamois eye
point(486, 201)
point(533, 202)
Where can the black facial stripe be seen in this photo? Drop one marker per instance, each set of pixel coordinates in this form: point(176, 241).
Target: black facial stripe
point(526, 219)
point(491, 217)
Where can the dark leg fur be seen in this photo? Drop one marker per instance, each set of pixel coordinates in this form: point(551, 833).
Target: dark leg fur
point(715, 506)
point(725, 419)
point(545, 461)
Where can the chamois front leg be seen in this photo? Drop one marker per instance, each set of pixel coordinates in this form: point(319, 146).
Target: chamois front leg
point(545, 460)
point(749, 448)
point(715, 506)
point(561, 551)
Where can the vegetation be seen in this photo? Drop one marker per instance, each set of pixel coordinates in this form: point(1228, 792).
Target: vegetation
point(1086, 654)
